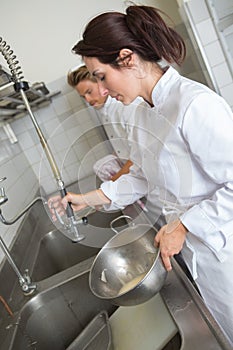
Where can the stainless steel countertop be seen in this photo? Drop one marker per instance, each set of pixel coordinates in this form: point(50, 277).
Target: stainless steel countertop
point(197, 328)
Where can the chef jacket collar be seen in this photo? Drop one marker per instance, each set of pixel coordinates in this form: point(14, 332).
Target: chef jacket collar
point(162, 88)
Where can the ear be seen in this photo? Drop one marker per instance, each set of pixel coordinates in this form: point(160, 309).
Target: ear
point(125, 57)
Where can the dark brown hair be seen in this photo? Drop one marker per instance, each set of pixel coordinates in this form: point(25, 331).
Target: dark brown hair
point(141, 29)
point(74, 77)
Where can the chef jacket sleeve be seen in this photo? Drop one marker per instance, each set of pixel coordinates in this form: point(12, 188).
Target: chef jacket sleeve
point(208, 131)
point(124, 191)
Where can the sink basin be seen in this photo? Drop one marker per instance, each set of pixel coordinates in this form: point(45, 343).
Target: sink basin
point(57, 252)
point(53, 318)
point(64, 308)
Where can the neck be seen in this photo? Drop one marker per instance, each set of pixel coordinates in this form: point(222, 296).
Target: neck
point(149, 82)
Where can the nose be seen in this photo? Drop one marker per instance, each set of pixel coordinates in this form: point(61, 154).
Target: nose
point(103, 91)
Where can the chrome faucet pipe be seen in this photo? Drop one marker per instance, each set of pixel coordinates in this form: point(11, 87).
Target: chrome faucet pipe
point(43, 141)
point(24, 280)
point(17, 217)
point(75, 236)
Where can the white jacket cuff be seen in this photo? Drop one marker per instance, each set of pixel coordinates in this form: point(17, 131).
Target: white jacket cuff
point(124, 191)
point(198, 223)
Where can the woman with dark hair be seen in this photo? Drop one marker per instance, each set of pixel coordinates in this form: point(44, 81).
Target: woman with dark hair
point(185, 151)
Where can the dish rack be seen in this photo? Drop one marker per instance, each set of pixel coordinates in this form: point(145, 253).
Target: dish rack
point(11, 104)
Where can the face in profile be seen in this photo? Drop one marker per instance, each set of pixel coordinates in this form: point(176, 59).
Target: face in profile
point(89, 90)
point(121, 84)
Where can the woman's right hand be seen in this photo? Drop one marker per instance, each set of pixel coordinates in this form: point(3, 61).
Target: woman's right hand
point(58, 204)
point(78, 201)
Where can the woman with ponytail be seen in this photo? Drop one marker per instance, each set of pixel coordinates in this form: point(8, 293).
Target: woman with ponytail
point(184, 149)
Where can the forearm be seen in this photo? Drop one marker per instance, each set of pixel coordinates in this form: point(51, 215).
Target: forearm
point(80, 201)
point(95, 198)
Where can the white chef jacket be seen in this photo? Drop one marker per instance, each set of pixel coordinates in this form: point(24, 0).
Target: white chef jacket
point(117, 121)
point(185, 151)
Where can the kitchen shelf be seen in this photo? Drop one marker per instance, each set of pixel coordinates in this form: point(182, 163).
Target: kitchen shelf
point(11, 103)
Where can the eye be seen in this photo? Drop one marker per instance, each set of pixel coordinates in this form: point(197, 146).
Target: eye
point(102, 78)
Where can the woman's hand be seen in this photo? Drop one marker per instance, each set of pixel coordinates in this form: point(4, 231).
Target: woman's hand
point(54, 204)
point(78, 201)
point(170, 240)
point(59, 204)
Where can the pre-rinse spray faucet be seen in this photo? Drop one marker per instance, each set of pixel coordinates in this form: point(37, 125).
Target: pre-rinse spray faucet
point(21, 86)
point(27, 286)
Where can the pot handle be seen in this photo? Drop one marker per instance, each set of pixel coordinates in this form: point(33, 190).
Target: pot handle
point(118, 218)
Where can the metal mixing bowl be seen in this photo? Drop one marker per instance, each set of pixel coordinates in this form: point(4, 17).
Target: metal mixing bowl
point(129, 254)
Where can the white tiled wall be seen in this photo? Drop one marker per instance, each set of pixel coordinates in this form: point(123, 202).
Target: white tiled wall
point(20, 186)
point(212, 47)
point(76, 143)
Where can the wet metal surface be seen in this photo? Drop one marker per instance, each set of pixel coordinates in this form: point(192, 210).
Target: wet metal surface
point(63, 304)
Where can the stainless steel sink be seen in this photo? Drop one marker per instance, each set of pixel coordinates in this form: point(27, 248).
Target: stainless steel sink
point(63, 304)
point(62, 308)
point(58, 313)
point(56, 252)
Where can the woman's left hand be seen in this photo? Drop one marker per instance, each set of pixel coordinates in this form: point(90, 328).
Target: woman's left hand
point(170, 239)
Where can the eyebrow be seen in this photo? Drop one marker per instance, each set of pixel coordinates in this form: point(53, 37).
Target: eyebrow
point(95, 73)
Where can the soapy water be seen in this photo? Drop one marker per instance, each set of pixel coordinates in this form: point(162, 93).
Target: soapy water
point(131, 284)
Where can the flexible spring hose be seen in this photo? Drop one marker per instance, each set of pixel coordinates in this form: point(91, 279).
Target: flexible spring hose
point(11, 60)
point(17, 76)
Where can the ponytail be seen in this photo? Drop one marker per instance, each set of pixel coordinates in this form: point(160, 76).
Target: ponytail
point(158, 40)
point(141, 29)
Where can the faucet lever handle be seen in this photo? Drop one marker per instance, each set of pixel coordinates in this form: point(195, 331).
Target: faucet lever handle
point(3, 197)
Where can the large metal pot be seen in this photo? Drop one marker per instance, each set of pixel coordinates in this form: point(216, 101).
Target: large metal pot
point(128, 270)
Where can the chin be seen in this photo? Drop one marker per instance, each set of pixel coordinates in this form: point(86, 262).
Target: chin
point(98, 106)
point(126, 102)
